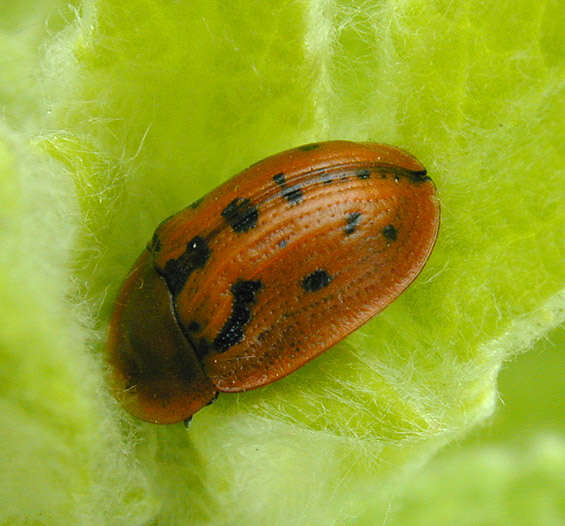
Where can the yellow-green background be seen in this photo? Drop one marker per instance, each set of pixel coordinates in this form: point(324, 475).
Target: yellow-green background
point(114, 115)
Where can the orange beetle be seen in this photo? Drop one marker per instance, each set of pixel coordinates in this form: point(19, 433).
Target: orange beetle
point(266, 272)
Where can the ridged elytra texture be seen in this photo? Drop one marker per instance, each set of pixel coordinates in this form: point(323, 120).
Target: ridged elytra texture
point(267, 271)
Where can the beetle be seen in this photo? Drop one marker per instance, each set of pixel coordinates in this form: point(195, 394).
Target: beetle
point(266, 272)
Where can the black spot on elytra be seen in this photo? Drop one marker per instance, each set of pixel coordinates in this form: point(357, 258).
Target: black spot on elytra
point(241, 214)
point(397, 172)
point(327, 178)
point(196, 204)
point(244, 296)
point(309, 147)
point(344, 176)
point(364, 174)
point(279, 179)
point(292, 194)
point(390, 232)
point(351, 222)
point(418, 177)
point(316, 280)
point(282, 243)
point(177, 271)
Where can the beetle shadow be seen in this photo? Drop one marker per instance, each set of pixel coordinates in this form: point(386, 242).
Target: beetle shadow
point(177, 471)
